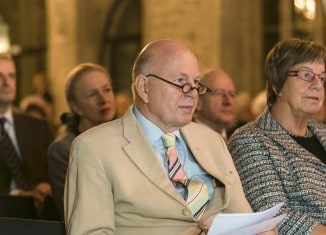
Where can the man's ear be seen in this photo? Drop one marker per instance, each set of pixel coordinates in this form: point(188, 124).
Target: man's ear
point(141, 87)
point(199, 105)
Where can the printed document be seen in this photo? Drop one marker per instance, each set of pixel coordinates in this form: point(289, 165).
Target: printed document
point(246, 223)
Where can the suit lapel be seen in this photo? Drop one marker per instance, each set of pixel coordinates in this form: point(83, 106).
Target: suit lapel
point(319, 132)
point(201, 154)
point(212, 166)
point(141, 153)
point(20, 132)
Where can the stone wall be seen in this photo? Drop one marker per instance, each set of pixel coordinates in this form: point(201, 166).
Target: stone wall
point(194, 22)
point(223, 34)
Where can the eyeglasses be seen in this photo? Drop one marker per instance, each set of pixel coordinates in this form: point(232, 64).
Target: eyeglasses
point(222, 93)
point(308, 76)
point(186, 87)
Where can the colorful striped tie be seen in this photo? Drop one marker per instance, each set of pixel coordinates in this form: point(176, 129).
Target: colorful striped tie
point(196, 195)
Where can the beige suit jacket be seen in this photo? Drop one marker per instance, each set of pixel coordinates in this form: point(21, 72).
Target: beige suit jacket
point(116, 184)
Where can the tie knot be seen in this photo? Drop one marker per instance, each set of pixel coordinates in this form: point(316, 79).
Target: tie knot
point(168, 140)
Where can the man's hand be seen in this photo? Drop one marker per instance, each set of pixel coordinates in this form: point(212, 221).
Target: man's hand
point(41, 191)
point(272, 232)
point(319, 230)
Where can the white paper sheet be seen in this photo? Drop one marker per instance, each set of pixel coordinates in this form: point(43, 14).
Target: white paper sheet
point(246, 223)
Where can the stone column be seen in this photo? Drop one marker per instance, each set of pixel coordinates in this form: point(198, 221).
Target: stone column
point(74, 33)
point(241, 43)
point(62, 47)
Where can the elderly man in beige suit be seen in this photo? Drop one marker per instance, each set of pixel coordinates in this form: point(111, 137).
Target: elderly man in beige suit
point(119, 179)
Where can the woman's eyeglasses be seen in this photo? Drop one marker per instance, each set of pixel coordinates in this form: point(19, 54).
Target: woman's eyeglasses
point(308, 76)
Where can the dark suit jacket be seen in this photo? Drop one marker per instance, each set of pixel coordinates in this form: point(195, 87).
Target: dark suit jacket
point(58, 160)
point(34, 137)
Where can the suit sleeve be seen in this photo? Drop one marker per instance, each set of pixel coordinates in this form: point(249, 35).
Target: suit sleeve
point(89, 206)
point(58, 159)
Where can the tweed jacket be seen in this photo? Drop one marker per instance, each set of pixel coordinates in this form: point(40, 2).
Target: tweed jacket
point(34, 137)
point(274, 168)
point(58, 160)
point(116, 184)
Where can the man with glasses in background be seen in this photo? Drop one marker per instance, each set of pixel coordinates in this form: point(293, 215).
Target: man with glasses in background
point(216, 109)
point(153, 171)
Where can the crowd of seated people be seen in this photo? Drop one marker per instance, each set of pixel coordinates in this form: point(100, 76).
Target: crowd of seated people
point(279, 135)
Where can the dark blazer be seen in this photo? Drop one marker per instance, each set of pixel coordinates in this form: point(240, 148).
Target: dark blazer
point(58, 160)
point(34, 137)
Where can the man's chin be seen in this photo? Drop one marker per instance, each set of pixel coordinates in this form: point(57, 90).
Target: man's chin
point(185, 121)
point(5, 101)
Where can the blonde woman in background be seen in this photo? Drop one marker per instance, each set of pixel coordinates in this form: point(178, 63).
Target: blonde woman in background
point(91, 100)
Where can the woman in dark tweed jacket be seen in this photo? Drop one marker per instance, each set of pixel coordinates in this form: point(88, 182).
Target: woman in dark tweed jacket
point(281, 156)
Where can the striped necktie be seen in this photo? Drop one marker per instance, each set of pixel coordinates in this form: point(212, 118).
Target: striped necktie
point(10, 158)
point(196, 195)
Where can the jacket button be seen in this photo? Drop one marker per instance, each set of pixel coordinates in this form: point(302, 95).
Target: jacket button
point(185, 212)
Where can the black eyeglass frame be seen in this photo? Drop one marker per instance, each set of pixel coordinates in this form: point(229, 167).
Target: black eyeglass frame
point(187, 87)
point(296, 74)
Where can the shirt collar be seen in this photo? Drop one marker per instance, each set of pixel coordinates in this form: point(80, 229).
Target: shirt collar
point(151, 131)
point(9, 116)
